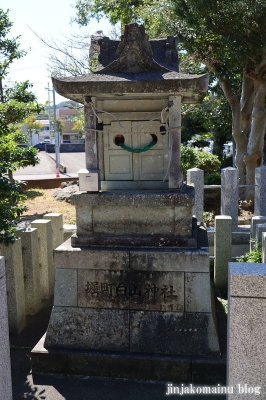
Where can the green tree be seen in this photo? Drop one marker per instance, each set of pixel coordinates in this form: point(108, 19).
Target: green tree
point(59, 125)
point(33, 126)
point(228, 37)
point(17, 102)
point(79, 123)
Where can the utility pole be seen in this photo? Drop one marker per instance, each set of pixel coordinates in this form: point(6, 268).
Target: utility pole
point(49, 90)
point(56, 137)
point(56, 134)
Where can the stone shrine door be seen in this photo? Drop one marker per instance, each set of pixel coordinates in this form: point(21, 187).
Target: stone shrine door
point(120, 164)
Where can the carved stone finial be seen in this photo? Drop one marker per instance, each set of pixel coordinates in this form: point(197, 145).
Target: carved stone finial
point(134, 53)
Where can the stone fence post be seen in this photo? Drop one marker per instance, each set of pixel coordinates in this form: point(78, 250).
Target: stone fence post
point(260, 228)
point(57, 228)
point(222, 250)
point(5, 367)
point(263, 246)
point(229, 194)
point(246, 349)
point(31, 268)
point(258, 220)
point(260, 191)
point(45, 248)
point(15, 285)
point(195, 177)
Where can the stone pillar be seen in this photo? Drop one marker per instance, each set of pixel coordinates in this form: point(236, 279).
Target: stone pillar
point(195, 177)
point(222, 249)
point(5, 367)
point(254, 222)
point(90, 136)
point(246, 331)
point(15, 285)
point(229, 194)
point(260, 191)
point(46, 262)
point(175, 177)
point(263, 246)
point(31, 269)
point(57, 228)
point(259, 229)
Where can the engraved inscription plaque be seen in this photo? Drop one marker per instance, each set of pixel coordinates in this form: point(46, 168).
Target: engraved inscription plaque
point(160, 291)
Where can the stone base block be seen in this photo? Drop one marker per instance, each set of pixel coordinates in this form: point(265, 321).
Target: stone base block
point(202, 370)
point(133, 331)
point(135, 218)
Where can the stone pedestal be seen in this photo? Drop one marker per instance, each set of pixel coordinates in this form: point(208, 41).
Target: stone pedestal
point(134, 280)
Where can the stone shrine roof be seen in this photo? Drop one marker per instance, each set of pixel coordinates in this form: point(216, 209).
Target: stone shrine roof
point(134, 66)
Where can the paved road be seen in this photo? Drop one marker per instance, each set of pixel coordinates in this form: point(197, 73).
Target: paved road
point(73, 162)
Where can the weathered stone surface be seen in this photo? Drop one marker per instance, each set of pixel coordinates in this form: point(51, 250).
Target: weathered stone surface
point(247, 279)
point(31, 269)
point(173, 333)
point(246, 346)
point(84, 328)
point(258, 219)
point(182, 197)
point(166, 260)
point(139, 241)
point(260, 228)
point(15, 285)
point(168, 368)
point(134, 52)
point(57, 228)
point(260, 191)
point(246, 329)
point(44, 229)
point(229, 194)
point(162, 291)
point(222, 249)
point(130, 366)
point(135, 213)
point(126, 220)
point(83, 218)
point(5, 367)
point(197, 292)
point(66, 283)
point(192, 87)
point(263, 245)
point(67, 256)
point(195, 177)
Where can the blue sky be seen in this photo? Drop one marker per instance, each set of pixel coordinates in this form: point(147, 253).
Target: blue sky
point(49, 18)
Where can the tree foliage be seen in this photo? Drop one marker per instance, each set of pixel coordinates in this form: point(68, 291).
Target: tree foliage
point(228, 37)
point(191, 158)
point(79, 123)
point(17, 102)
point(33, 126)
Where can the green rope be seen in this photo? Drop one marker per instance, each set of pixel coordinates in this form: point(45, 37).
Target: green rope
point(146, 148)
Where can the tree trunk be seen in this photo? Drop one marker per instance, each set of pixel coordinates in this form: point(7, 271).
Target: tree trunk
point(238, 135)
point(254, 156)
point(246, 105)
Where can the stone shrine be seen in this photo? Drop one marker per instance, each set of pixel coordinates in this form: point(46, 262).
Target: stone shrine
point(132, 291)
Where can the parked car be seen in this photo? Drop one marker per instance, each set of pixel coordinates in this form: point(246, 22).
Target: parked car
point(47, 141)
point(40, 146)
point(66, 141)
point(228, 149)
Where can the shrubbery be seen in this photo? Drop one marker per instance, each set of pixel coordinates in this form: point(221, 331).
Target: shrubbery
point(191, 158)
point(212, 178)
point(253, 256)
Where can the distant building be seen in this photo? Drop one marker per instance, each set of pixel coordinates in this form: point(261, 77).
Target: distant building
point(66, 115)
